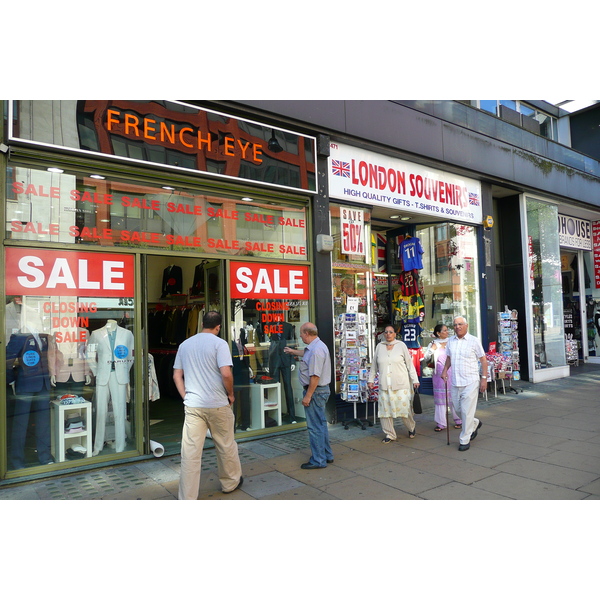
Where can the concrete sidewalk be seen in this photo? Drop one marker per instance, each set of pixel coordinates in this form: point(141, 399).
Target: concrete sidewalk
point(542, 444)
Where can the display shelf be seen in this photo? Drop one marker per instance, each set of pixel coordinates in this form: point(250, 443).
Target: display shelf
point(59, 414)
point(265, 399)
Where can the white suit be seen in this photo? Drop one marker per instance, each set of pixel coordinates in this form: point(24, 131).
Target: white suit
point(110, 362)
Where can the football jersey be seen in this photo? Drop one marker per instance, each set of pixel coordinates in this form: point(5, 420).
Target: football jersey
point(410, 252)
point(409, 283)
point(410, 335)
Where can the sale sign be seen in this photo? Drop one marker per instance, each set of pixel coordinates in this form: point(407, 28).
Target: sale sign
point(352, 226)
point(62, 273)
point(269, 281)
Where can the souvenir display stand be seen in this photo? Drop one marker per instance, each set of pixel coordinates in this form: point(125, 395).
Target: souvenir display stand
point(351, 349)
point(572, 350)
point(503, 357)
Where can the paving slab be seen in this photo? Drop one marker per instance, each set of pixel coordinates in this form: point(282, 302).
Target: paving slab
point(409, 480)
point(457, 469)
point(561, 432)
point(573, 461)
point(593, 487)
point(526, 437)
point(148, 491)
point(521, 488)
point(267, 484)
point(306, 492)
point(363, 488)
point(320, 477)
point(587, 447)
point(460, 491)
point(510, 447)
point(547, 472)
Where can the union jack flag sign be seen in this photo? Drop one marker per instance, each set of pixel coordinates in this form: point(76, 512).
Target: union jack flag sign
point(342, 169)
point(473, 199)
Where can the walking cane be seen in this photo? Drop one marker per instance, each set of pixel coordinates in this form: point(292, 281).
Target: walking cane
point(447, 415)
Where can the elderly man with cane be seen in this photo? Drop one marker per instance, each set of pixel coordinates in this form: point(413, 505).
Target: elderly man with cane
point(465, 354)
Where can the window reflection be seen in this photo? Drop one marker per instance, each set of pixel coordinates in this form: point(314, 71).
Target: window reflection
point(267, 388)
point(546, 285)
point(449, 275)
point(78, 209)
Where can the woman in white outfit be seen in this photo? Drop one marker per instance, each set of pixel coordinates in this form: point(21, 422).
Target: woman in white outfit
point(437, 351)
point(397, 379)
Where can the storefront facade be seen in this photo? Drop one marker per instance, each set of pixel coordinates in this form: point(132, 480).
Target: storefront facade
point(139, 216)
point(125, 222)
point(406, 253)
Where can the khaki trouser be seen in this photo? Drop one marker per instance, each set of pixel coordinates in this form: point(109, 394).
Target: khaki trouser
point(387, 425)
point(220, 421)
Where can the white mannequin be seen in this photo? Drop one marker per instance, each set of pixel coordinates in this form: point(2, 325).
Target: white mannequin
point(111, 365)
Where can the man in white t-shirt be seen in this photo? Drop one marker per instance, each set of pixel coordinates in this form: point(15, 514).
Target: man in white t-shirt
point(204, 378)
point(469, 377)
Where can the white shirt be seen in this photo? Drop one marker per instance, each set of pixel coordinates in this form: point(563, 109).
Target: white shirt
point(464, 356)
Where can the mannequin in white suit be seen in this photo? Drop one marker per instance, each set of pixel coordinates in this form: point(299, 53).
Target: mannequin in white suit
point(110, 358)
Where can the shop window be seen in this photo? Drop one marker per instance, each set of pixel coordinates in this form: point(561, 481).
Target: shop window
point(449, 276)
point(592, 300)
point(69, 322)
point(77, 208)
point(269, 303)
point(546, 284)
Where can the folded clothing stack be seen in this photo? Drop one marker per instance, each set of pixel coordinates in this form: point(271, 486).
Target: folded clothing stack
point(74, 425)
point(76, 451)
point(70, 399)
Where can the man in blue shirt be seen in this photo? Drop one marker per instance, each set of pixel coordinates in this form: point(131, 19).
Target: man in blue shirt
point(315, 377)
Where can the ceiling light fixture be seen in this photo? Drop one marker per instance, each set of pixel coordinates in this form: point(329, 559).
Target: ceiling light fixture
point(273, 144)
point(246, 199)
point(167, 187)
point(54, 170)
point(394, 216)
point(405, 218)
point(97, 177)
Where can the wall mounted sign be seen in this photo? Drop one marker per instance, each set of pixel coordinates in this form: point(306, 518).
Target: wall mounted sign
point(380, 180)
point(170, 134)
point(574, 232)
point(30, 271)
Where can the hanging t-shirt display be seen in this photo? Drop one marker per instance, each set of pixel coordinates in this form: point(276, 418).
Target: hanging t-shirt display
point(409, 309)
point(410, 334)
point(410, 252)
point(409, 283)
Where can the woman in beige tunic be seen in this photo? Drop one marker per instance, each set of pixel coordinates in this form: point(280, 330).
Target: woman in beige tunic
point(397, 378)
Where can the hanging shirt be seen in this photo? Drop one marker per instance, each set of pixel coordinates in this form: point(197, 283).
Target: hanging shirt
point(410, 252)
point(410, 335)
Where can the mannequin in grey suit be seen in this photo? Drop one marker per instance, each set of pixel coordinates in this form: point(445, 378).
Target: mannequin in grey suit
point(110, 358)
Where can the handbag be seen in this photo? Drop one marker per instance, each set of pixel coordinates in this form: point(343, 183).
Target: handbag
point(417, 408)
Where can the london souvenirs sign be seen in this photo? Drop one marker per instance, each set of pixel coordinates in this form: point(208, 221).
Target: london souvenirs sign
point(380, 180)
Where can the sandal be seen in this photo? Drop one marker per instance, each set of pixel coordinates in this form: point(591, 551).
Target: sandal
point(458, 427)
point(386, 440)
point(411, 434)
point(439, 429)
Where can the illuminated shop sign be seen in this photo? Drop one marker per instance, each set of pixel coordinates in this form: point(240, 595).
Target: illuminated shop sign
point(379, 180)
point(170, 134)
